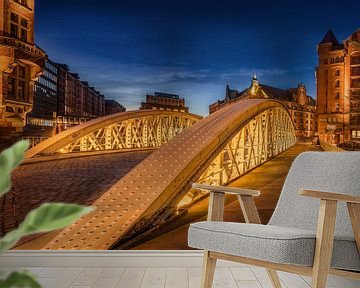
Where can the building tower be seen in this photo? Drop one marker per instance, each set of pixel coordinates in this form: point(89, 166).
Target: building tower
point(301, 98)
point(21, 62)
point(338, 88)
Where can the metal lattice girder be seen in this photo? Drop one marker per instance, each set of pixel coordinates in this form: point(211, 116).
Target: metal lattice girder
point(125, 130)
point(263, 137)
point(165, 176)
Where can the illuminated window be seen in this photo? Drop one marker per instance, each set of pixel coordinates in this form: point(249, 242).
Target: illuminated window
point(355, 134)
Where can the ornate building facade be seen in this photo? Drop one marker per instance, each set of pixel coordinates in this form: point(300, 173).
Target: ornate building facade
point(338, 88)
point(164, 101)
point(21, 63)
point(302, 107)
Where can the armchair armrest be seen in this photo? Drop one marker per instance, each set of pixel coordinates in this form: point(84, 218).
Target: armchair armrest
point(322, 195)
point(226, 190)
point(217, 200)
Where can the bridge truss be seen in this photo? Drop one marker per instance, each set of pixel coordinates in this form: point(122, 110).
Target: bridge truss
point(149, 131)
point(215, 150)
point(127, 130)
point(262, 138)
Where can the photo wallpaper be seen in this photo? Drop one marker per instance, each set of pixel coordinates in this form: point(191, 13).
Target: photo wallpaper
point(111, 110)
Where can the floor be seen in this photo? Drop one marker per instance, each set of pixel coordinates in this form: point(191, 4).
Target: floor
point(149, 271)
point(171, 277)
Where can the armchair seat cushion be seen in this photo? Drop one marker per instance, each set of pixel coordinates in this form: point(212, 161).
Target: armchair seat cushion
point(270, 243)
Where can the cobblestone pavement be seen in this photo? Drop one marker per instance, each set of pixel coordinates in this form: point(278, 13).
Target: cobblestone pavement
point(78, 180)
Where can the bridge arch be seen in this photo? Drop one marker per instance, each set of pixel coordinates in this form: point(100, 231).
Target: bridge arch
point(153, 189)
point(125, 130)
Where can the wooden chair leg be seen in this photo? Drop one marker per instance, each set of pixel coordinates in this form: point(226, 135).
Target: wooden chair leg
point(274, 278)
point(208, 271)
point(354, 212)
point(324, 243)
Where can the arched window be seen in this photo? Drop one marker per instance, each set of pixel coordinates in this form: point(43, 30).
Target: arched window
point(337, 59)
point(337, 83)
point(332, 60)
point(342, 59)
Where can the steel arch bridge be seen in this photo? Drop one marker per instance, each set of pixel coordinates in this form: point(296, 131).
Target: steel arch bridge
point(125, 130)
point(215, 150)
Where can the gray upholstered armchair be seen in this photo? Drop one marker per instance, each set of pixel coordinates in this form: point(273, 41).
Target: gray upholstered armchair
point(310, 232)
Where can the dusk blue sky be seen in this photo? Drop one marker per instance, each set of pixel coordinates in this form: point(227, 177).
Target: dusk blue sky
point(191, 48)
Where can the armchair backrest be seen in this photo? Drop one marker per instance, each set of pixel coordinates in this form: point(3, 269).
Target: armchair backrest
point(325, 171)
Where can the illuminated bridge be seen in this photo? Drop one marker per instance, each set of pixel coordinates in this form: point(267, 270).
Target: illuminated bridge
point(122, 131)
point(214, 150)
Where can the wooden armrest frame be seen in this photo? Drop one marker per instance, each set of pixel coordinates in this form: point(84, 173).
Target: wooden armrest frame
point(326, 227)
point(227, 190)
point(330, 196)
point(217, 200)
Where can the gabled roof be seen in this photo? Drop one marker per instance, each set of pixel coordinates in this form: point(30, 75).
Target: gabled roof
point(277, 93)
point(329, 38)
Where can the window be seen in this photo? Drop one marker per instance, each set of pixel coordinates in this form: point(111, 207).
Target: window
point(337, 72)
point(13, 30)
point(337, 83)
point(10, 109)
point(337, 107)
point(337, 59)
point(22, 2)
point(337, 96)
point(14, 18)
point(332, 60)
point(17, 88)
point(24, 23)
point(19, 27)
point(355, 134)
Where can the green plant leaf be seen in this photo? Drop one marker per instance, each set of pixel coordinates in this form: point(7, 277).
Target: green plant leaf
point(19, 280)
point(53, 216)
point(9, 159)
point(47, 217)
point(10, 239)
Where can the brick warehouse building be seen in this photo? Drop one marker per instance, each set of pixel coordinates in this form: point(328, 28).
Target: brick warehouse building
point(21, 62)
point(78, 102)
point(302, 107)
point(338, 88)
